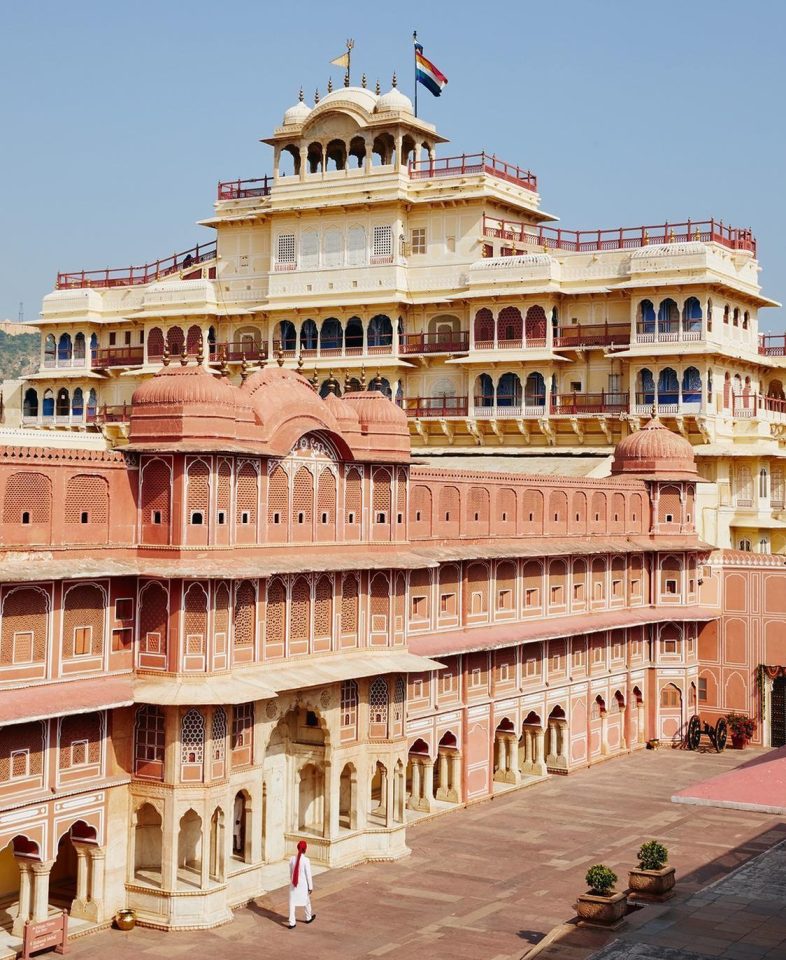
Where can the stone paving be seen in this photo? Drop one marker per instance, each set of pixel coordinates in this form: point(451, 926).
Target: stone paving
point(488, 882)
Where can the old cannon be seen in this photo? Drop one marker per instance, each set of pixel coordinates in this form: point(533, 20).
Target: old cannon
point(718, 735)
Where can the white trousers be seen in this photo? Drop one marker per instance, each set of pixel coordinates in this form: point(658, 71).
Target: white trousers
point(306, 907)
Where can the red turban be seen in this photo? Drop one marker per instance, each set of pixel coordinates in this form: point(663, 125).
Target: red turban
point(301, 849)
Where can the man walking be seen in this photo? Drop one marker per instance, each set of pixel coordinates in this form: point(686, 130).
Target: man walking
point(301, 884)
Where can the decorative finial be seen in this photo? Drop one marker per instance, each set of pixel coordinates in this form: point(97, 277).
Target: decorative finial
point(223, 367)
point(672, 236)
point(330, 84)
point(395, 80)
point(300, 362)
point(261, 360)
point(314, 380)
point(645, 239)
point(332, 384)
point(165, 355)
point(697, 234)
point(316, 96)
point(300, 96)
point(363, 81)
point(347, 384)
point(654, 412)
point(378, 89)
point(200, 357)
point(244, 369)
point(280, 358)
point(363, 377)
point(184, 357)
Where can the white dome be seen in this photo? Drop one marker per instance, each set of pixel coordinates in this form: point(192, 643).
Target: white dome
point(676, 249)
point(297, 114)
point(358, 95)
point(394, 99)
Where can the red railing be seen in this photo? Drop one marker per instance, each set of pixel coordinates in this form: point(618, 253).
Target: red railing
point(240, 189)
point(592, 335)
point(469, 163)
point(772, 344)
point(619, 238)
point(435, 342)
point(237, 350)
point(120, 413)
point(576, 403)
point(131, 276)
point(435, 406)
point(117, 357)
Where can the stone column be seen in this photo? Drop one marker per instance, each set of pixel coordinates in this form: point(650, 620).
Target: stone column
point(414, 797)
point(513, 774)
point(538, 762)
point(79, 905)
point(455, 777)
point(25, 895)
point(500, 744)
point(552, 755)
point(604, 733)
point(41, 871)
point(98, 862)
point(562, 755)
point(428, 784)
point(444, 785)
point(641, 731)
point(623, 730)
point(383, 793)
point(303, 163)
point(529, 759)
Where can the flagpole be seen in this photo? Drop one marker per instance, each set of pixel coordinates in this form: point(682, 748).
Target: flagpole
point(415, 53)
point(350, 45)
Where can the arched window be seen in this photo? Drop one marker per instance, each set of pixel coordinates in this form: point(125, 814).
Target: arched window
point(668, 386)
point(79, 347)
point(692, 315)
point(509, 325)
point(378, 708)
point(78, 403)
point(763, 483)
point(50, 351)
point(149, 742)
point(64, 348)
point(484, 327)
point(155, 343)
point(309, 336)
point(535, 390)
point(668, 317)
point(646, 317)
point(484, 391)
point(330, 335)
point(535, 326)
point(192, 739)
point(743, 487)
point(30, 404)
point(353, 337)
point(63, 405)
point(176, 340)
point(691, 385)
point(349, 709)
point(380, 331)
point(49, 403)
point(509, 390)
point(287, 336)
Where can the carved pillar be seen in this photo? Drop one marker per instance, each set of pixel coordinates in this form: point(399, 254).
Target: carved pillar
point(538, 761)
point(97, 874)
point(415, 796)
point(623, 730)
point(41, 871)
point(79, 905)
point(442, 791)
point(428, 784)
point(562, 732)
point(455, 777)
point(641, 722)
point(552, 755)
point(25, 895)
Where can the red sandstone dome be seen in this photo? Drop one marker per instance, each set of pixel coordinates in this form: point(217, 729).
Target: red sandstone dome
point(655, 450)
point(374, 409)
point(181, 385)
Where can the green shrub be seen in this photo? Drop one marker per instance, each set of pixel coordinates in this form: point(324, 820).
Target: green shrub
point(600, 879)
point(652, 855)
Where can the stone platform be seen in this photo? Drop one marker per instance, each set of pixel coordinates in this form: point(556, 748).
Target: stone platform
point(757, 784)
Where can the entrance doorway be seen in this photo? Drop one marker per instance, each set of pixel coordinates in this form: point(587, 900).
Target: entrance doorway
point(778, 721)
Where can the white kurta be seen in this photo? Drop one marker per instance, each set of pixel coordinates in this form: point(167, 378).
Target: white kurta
point(299, 895)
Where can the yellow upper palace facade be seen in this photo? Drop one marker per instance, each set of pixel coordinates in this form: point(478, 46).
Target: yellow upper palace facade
point(369, 260)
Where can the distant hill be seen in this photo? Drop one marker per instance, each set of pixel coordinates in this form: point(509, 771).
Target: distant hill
point(19, 354)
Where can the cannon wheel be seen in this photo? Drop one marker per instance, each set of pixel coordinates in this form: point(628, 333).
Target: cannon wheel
point(721, 734)
point(694, 732)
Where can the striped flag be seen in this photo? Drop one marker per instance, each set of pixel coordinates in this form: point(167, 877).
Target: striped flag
point(426, 73)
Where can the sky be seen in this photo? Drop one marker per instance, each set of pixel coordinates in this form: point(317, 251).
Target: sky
point(117, 120)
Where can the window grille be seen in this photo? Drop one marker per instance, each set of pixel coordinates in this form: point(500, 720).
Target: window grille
point(192, 739)
point(419, 240)
point(378, 701)
point(219, 733)
point(309, 250)
point(149, 734)
point(242, 725)
point(349, 704)
point(382, 243)
point(286, 248)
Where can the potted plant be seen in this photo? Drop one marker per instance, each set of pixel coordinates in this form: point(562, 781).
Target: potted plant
point(600, 904)
point(741, 727)
point(125, 919)
point(653, 880)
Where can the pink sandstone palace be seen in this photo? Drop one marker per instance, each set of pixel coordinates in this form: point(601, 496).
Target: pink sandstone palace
point(254, 617)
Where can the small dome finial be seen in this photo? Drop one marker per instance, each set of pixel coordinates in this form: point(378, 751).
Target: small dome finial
point(223, 367)
point(280, 358)
point(165, 355)
point(300, 362)
point(314, 381)
point(184, 357)
point(330, 84)
point(395, 80)
point(316, 96)
point(378, 89)
point(300, 96)
point(244, 369)
point(363, 82)
point(200, 357)
point(363, 377)
point(261, 361)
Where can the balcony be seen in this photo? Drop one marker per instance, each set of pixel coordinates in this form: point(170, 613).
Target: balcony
point(578, 336)
point(147, 273)
point(511, 343)
point(242, 189)
point(117, 357)
point(288, 348)
point(772, 344)
point(422, 343)
point(435, 407)
point(64, 363)
point(669, 404)
point(472, 163)
point(618, 238)
point(668, 333)
point(589, 404)
point(238, 350)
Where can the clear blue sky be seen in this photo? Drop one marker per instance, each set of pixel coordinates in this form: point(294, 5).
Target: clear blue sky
point(116, 120)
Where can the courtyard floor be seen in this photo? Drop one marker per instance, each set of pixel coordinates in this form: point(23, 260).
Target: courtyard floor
point(488, 882)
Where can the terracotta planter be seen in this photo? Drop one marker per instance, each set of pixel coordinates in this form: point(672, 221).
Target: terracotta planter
point(738, 741)
point(604, 911)
point(125, 919)
point(655, 885)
